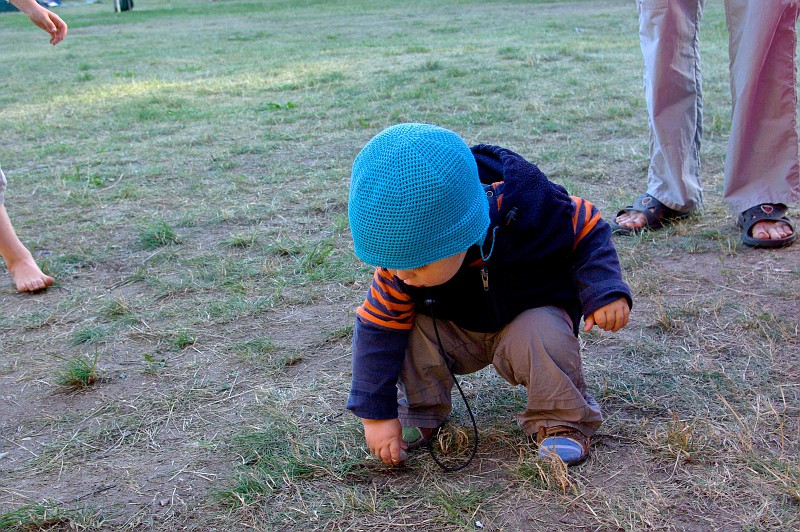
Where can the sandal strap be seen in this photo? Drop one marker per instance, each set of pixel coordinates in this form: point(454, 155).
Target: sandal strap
point(762, 212)
point(656, 214)
point(765, 212)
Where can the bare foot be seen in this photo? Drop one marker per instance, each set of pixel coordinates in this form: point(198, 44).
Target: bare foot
point(28, 276)
point(771, 230)
point(646, 213)
point(631, 219)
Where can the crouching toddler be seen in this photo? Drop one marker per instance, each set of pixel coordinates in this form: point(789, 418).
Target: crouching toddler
point(475, 246)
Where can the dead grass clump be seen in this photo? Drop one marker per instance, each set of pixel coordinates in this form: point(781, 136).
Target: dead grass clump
point(452, 440)
point(550, 474)
point(683, 441)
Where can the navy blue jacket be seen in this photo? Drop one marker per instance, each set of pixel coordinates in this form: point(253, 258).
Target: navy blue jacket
point(543, 247)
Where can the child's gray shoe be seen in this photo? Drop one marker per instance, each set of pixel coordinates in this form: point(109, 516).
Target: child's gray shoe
point(569, 444)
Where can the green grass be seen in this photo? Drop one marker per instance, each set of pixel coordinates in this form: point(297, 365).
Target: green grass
point(88, 335)
point(79, 372)
point(49, 516)
point(157, 234)
point(182, 170)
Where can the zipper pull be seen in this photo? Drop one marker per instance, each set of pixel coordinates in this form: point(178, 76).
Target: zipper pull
point(485, 279)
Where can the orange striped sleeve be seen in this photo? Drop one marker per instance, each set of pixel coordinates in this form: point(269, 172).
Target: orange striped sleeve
point(386, 304)
point(386, 280)
point(578, 204)
point(389, 324)
point(397, 311)
point(584, 219)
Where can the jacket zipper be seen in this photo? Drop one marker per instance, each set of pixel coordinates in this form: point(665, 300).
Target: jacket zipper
point(485, 278)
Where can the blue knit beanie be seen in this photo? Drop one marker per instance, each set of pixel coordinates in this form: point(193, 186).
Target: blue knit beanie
point(415, 198)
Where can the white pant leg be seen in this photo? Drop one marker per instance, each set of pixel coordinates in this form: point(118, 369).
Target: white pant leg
point(668, 33)
point(762, 160)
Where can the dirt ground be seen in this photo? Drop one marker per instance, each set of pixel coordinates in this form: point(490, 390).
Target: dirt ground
point(150, 444)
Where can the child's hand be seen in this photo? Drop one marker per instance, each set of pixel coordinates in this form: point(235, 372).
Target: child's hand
point(51, 23)
point(47, 20)
point(611, 317)
point(385, 439)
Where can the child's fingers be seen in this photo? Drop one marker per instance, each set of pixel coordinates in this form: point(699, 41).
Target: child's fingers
point(59, 30)
point(385, 454)
point(397, 454)
point(613, 321)
point(605, 320)
point(626, 315)
point(609, 318)
point(620, 319)
point(391, 454)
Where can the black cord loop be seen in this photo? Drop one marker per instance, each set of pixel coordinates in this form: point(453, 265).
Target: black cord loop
point(430, 303)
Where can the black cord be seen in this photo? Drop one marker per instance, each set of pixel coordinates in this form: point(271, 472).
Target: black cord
point(430, 303)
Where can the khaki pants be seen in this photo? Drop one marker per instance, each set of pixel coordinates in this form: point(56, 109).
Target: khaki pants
point(538, 350)
point(761, 165)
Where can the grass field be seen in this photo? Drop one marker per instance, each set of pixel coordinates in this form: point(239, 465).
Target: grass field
point(182, 170)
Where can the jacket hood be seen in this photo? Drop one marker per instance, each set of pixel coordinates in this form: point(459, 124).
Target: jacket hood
point(530, 204)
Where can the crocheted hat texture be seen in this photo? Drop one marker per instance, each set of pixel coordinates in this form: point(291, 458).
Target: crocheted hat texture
point(415, 198)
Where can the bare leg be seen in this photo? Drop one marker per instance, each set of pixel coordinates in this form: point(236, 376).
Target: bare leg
point(26, 273)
